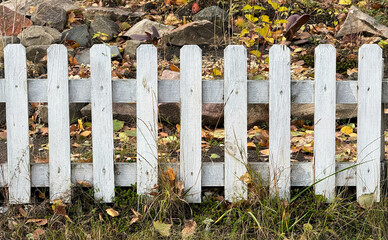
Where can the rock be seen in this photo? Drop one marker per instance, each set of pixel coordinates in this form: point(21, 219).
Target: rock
point(306, 111)
point(121, 111)
point(11, 22)
point(50, 15)
point(212, 14)
point(37, 35)
point(115, 52)
point(201, 32)
point(79, 34)
point(37, 52)
point(3, 113)
point(145, 25)
point(130, 48)
point(83, 57)
point(170, 75)
point(103, 28)
point(74, 108)
point(114, 14)
point(21, 6)
point(5, 40)
point(357, 22)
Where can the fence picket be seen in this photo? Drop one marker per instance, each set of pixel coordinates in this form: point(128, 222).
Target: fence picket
point(191, 121)
point(102, 119)
point(279, 121)
point(324, 120)
point(147, 118)
point(58, 117)
point(235, 122)
point(369, 134)
point(18, 151)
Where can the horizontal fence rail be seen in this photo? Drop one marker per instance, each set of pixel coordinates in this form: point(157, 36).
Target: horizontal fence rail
point(235, 91)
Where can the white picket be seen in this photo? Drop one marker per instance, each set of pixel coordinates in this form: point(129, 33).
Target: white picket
point(279, 121)
point(324, 120)
point(235, 122)
point(369, 134)
point(191, 121)
point(102, 119)
point(147, 118)
point(58, 118)
point(18, 151)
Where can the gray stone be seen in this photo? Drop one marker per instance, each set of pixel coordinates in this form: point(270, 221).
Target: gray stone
point(50, 15)
point(306, 111)
point(121, 111)
point(83, 57)
point(38, 35)
point(170, 75)
point(74, 109)
point(105, 28)
point(114, 14)
point(145, 25)
point(213, 14)
point(130, 48)
point(23, 6)
point(79, 34)
point(36, 53)
point(115, 52)
point(201, 32)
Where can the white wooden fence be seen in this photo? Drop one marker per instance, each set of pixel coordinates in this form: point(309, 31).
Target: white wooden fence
point(19, 175)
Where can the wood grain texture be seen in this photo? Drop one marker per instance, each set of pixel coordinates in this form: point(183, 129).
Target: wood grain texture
point(279, 121)
point(147, 118)
point(235, 122)
point(324, 120)
point(102, 119)
point(58, 119)
point(18, 154)
point(369, 134)
point(191, 121)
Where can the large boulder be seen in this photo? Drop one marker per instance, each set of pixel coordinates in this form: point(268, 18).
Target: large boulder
point(24, 7)
point(50, 15)
point(74, 110)
point(36, 53)
point(79, 34)
point(357, 22)
point(213, 14)
point(11, 22)
point(145, 25)
point(306, 111)
point(130, 48)
point(38, 35)
point(200, 32)
point(104, 29)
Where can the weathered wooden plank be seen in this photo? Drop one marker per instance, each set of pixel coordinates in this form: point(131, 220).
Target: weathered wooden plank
point(191, 121)
point(58, 119)
point(369, 135)
point(147, 118)
point(324, 120)
point(279, 121)
point(18, 153)
point(102, 119)
point(302, 173)
point(235, 122)
point(124, 91)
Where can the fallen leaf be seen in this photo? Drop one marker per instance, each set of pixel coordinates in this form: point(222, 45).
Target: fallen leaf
point(40, 222)
point(246, 177)
point(86, 133)
point(214, 156)
point(347, 130)
point(22, 212)
point(83, 183)
point(38, 232)
point(59, 207)
point(111, 212)
point(366, 200)
point(189, 228)
point(171, 174)
point(251, 145)
point(345, 2)
point(265, 152)
point(180, 186)
point(162, 228)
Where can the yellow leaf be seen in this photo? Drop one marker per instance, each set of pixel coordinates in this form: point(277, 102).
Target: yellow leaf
point(265, 152)
point(282, 9)
point(112, 212)
point(178, 127)
point(216, 72)
point(247, 7)
point(162, 228)
point(258, 8)
point(243, 32)
point(251, 18)
point(256, 53)
point(181, 2)
point(298, 50)
point(80, 124)
point(345, 2)
point(347, 130)
point(246, 178)
point(171, 174)
point(274, 5)
point(251, 145)
point(265, 18)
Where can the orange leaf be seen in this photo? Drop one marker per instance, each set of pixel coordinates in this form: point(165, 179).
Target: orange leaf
point(73, 61)
point(171, 174)
point(174, 68)
point(112, 212)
